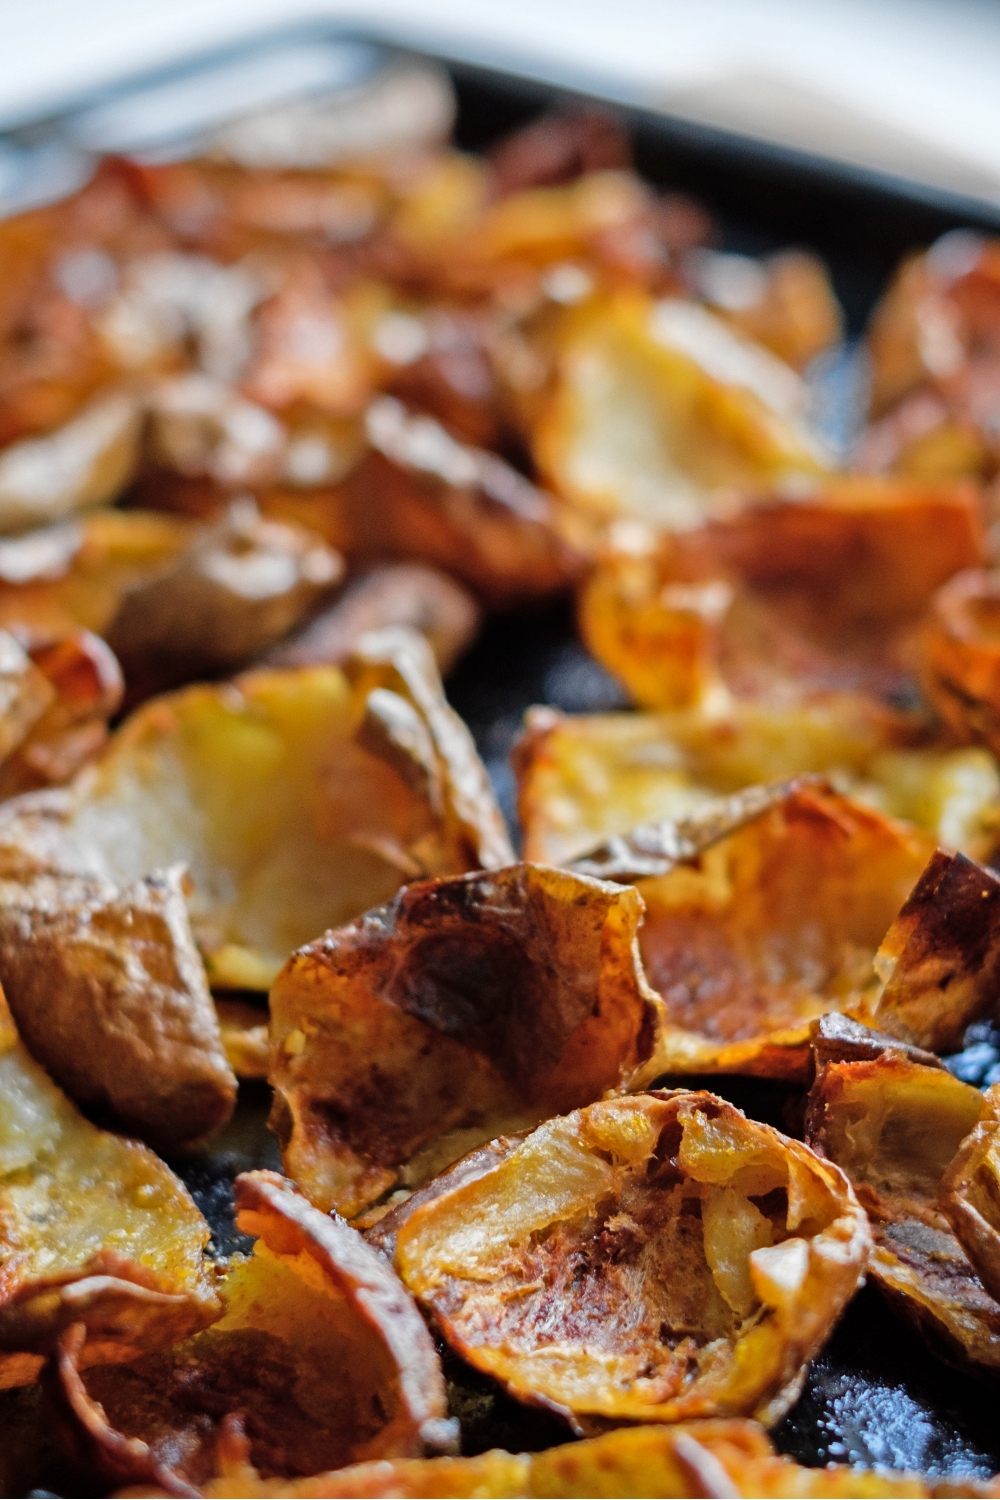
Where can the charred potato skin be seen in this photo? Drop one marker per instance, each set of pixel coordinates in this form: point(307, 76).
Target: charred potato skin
point(502, 997)
point(490, 1317)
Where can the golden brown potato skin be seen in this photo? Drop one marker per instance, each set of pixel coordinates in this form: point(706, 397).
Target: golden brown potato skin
point(969, 1195)
point(465, 1007)
point(406, 594)
point(783, 600)
point(320, 1358)
point(575, 1267)
point(894, 1126)
point(939, 962)
point(109, 991)
point(94, 1230)
point(960, 656)
point(771, 926)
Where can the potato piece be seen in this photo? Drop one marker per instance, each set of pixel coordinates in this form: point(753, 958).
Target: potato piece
point(939, 962)
point(467, 1007)
point(770, 927)
point(25, 694)
point(76, 573)
point(94, 1229)
point(649, 1258)
point(243, 1028)
point(560, 147)
point(296, 798)
point(89, 461)
point(658, 407)
point(240, 586)
point(894, 1127)
point(782, 600)
point(320, 1355)
point(784, 301)
point(421, 494)
point(722, 1457)
point(88, 686)
point(586, 778)
point(960, 656)
point(969, 1195)
point(396, 594)
point(108, 990)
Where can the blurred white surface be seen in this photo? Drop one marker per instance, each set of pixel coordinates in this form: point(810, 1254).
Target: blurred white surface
point(909, 86)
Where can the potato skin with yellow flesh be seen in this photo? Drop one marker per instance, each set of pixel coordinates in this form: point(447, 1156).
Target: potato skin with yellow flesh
point(465, 1007)
point(894, 1127)
point(720, 1457)
point(94, 1229)
point(969, 1195)
point(647, 1259)
point(769, 928)
point(320, 1358)
point(296, 798)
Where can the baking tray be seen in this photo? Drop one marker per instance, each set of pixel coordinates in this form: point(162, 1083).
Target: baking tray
point(876, 1395)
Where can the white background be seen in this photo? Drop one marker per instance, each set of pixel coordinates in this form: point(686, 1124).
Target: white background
point(908, 85)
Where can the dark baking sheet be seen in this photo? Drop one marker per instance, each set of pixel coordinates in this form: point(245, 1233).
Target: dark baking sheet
point(876, 1395)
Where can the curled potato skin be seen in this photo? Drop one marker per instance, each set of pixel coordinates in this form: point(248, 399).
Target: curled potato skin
point(768, 928)
point(894, 1126)
point(960, 656)
point(463, 1008)
point(969, 1195)
point(566, 1264)
point(722, 1457)
point(320, 1354)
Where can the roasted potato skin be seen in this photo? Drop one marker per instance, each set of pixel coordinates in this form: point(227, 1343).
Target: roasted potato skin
point(894, 1126)
point(939, 962)
point(770, 927)
point(969, 1195)
point(465, 1005)
point(95, 1231)
point(471, 1250)
point(960, 656)
point(315, 1303)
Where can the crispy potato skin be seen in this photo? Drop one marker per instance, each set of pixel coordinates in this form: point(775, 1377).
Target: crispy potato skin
point(939, 962)
point(894, 1127)
point(110, 994)
point(721, 1457)
point(781, 600)
point(396, 594)
point(770, 927)
point(320, 1358)
point(586, 778)
point(969, 1195)
point(632, 1305)
point(468, 1005)
point(94, 1230)
point(960, 656)
point(296, 798)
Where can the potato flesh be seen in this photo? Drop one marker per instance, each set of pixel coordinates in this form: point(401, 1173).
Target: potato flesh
point(78, 1202)
point(579, 1273)
point(658, 405)
point(585, 778)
